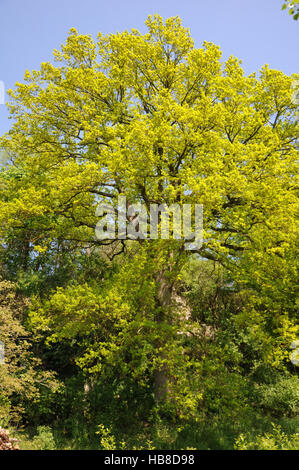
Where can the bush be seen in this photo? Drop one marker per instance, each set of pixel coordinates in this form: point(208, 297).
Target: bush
point(277, 440)
point(43, 440)
point(281, 398)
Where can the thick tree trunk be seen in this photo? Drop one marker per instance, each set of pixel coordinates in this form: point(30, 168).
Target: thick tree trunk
point(161, 375)
point(161, 384)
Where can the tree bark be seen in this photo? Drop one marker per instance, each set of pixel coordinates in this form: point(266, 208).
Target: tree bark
point(161, 375)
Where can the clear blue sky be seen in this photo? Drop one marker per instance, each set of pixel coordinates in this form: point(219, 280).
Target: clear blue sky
point(256, 31)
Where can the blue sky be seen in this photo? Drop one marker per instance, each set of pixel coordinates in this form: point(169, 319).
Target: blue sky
point(256, 31)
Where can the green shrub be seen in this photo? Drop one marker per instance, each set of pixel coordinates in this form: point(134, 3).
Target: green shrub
point(43, 440)
point(277, 440)
point(281, 398)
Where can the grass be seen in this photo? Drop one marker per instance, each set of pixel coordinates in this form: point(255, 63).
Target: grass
point(166, 436)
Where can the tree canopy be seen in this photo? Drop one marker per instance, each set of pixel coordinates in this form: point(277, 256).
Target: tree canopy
point(293, 6)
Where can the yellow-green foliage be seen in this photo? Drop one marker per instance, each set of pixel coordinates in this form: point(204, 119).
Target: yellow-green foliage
point(154, 118)
point(276, 440)
point(21, 375)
